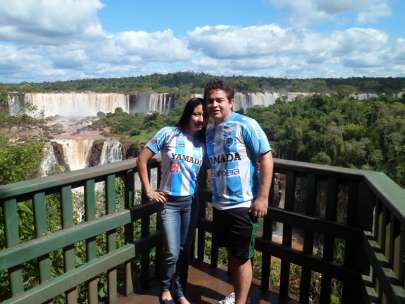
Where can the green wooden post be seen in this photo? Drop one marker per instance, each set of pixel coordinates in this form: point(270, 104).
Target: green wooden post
point(111, 245)
point(129, 231)
point(382, 228)
point(12, 239)
point(389, 239)
point(69, 251)
point(310, 205)
point(144, 277)
point(376, 231)
point(400, 253)
point(267, 233)
point(41, 229)
point(326, 282)
point(91, 250)
point(201, 230)
point(287, 236)
point(159, 247)
point(352, 255)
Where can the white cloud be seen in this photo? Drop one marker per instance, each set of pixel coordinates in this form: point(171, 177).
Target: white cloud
point(307, 12)
point(376, 10)
point(231, 41)
point(270, 49)
point(336, 7)
point(64, 39)
point(398, 53)
point(49, 21)
point(68, 57)
point(52, 40)
point(156, 46)
point(103, 58)
point(363, 40)
point(18, 64)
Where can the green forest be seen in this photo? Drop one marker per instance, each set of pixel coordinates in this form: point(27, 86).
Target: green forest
point(194, 83)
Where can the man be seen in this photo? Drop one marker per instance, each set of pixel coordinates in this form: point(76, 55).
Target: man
point(241, 166)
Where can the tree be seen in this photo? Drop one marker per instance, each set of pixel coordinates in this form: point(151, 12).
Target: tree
point(18, 161)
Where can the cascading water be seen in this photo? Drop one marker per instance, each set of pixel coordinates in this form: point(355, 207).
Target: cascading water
point(76, 152)
point(146, 102)
point(49, 161)
point(161, 103)
point(15, 106)
point(112, 152)
point(76, 104)
point(244, 101)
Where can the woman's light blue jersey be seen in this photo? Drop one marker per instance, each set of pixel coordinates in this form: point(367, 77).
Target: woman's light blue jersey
point(233, 147)
point(182, 158)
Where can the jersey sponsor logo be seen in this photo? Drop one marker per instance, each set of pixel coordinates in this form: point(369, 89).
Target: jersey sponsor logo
point(229, 172)
point(225, 158)
point(174, 167)
point(187, 158)
point(228, 142)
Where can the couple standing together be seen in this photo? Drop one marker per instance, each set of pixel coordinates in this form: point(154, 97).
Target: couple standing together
point(240, 159)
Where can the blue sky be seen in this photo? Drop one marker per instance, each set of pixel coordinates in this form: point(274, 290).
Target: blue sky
point(68, 39)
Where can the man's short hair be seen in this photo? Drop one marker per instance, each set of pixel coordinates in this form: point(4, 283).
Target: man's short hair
point(218, 84)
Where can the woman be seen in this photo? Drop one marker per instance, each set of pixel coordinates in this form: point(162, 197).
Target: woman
point(181, 149)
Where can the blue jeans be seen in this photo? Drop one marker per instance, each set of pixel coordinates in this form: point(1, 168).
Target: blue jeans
point(178, 223)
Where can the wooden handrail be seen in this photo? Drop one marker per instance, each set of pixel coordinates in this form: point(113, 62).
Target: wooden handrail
point(372, 232)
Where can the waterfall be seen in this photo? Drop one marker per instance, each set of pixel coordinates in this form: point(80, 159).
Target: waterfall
point(76, 152)
point(89, 104)
point(49, 161)
point(76, 104)
point(161, 103)
point(151, 102)
point(112, 152)
point(244, 101)
point(15, 104)
point(291, 96)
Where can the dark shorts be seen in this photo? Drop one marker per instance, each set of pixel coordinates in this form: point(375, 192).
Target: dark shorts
point(236, 229)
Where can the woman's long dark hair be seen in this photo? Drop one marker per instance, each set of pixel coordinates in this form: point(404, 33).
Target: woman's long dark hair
point(186, 116)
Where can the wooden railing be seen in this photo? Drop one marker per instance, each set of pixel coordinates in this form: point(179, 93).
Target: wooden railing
point(342, 235)
point(31, 275)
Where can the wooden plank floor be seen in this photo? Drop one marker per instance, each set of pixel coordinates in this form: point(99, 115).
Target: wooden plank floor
point(206, 285)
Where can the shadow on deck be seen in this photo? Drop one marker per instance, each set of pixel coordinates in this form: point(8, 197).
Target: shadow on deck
point(206, 285)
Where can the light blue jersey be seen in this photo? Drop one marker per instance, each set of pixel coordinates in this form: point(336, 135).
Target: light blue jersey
point(182, 157)
point(233, 147)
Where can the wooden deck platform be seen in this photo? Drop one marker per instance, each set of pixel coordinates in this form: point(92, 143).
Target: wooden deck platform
point(206, 285)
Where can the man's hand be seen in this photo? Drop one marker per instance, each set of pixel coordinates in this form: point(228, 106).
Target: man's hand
point(157, 196)
point(259, 207)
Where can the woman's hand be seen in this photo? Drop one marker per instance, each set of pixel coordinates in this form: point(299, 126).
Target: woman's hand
point(157, 196)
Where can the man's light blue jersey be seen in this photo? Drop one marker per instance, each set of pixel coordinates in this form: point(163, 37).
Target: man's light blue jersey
point(182, 157)
point(233, 147)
